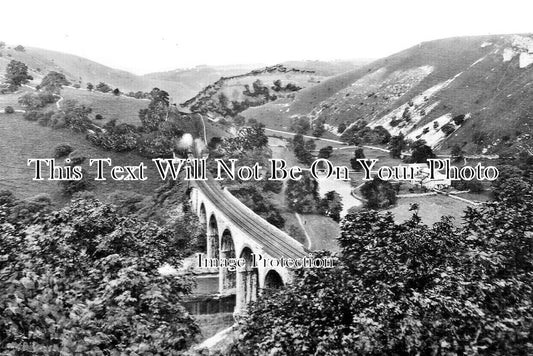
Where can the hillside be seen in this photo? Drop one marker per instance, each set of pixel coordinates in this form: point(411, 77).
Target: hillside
point(180, 84)
point(484, 82)
point(229, 96)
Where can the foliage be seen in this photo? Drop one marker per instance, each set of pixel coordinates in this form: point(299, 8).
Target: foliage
point(302, 149)
point(9, 110)
point(396, 145)
point(457, 153)
point(341, 128)
point(359, 153)
point(17, 74)
point(53, 82)
point(448, 129)
point(250, 196)
point(409, 289)
point(103, 87)
point(319, 129)
point(300, 125)
point(302, 195)
point(34, 101)
point(157, 111)
point(90, 86)
point(20, 48)
point(325, 152)
point(331, 205)
point(62, 150)
point(379, 194)
point(420, 152)
point(84, 280)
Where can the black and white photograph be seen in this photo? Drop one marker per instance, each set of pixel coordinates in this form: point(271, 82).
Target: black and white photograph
point(266, 178)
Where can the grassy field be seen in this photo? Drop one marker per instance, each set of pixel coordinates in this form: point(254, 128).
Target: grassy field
point(21, 140)
point(431, 208)
point(122, 108)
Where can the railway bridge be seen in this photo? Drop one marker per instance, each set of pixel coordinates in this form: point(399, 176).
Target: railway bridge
point(235, 231)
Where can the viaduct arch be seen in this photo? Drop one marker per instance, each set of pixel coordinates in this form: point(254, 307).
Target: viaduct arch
point(235, 231)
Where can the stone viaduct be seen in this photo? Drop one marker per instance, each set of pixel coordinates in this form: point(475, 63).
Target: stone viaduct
point(235, 231)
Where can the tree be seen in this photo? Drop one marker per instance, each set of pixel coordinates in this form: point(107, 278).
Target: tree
point(90, 86)
point(397, 145)
point(359, 153)
point(421, 152)
point(325, 152)
point(20, 48)
point(331, 205)
point(53, 82)
point(103, 87)
point(408, 289)
point(9, 110)
point(379, 194)
point(319, 129)
point(85, 280)
point(116, 92)
point(157, 111)
point(17, 74)
point(302, 195)
point(457, 153)
point(341, 128)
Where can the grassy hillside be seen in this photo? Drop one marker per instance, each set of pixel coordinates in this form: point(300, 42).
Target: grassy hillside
point(82, 71)
point(21, 140)
point(487, 79)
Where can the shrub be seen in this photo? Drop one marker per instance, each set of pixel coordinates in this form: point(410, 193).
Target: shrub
point(20, 48)
point(459, 119)
point(9, 110)
point(32, 115)
point(98, 117)
point(448, 129)
point(62, 150)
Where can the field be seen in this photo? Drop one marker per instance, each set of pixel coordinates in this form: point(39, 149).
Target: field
point(21, 140)
point(431, 208)
point(122, 108)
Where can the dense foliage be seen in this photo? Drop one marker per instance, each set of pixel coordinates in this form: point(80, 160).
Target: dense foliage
point(410, 289)
point(85, 280)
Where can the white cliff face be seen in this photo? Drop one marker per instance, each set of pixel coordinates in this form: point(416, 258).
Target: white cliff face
point(525, 59)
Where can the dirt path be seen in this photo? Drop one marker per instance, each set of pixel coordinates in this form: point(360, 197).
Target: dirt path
point(302, 225)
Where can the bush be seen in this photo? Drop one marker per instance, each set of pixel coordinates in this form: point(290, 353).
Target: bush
point(32, 115)
point(62, 150)
point(448, 129)
point(459, 119)
point(20, 48)
point(98, 117)
point(9, 110)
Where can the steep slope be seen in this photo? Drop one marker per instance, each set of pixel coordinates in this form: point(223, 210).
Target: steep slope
point(418, 91)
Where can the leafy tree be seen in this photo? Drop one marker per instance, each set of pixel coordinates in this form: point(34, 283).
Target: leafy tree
point(359, 153)
point(17, 74)
point(421, 152)
point(20, 48)
point(331, 205)
point(459, 119)
point(9, 110)
point(457, 153)
point(319, 129)
point(103, 87)
point(448, 129)
point(53, 82)
point(302, 195)
point(85, 280)
point(397, 145)
point(157, 111)
point(90, 86)
point(116, 92)
point(379, 194)
point(341, 128)
point(408, 289)
point(325, 152)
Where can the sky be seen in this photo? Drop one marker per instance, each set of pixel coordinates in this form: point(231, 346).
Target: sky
point(159, 35)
